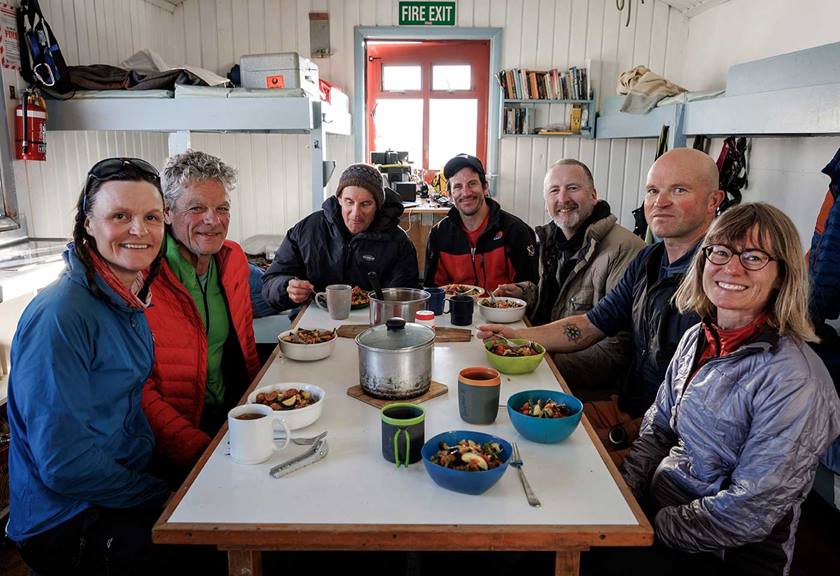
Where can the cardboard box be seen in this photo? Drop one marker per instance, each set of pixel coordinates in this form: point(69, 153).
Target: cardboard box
point(281, 70)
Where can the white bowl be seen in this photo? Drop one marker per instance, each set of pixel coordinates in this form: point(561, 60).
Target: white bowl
point(298, 417)
point(502, 315)
point(305, 352)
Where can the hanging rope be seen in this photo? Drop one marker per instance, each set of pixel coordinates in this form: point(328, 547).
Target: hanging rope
point(619, 4)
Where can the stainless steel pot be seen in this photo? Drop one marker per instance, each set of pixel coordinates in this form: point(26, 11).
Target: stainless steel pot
point(395, 359)
point(402, 302)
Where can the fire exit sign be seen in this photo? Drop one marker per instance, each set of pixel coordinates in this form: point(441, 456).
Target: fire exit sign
point(427, 13)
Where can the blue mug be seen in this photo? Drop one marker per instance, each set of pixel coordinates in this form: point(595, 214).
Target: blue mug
point(436, 300)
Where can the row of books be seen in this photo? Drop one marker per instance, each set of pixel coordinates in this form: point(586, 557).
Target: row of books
point(521, 84)
point(521, 121)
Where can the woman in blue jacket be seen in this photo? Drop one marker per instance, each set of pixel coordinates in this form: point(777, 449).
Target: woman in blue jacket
point(81, 501)
point(728, 451)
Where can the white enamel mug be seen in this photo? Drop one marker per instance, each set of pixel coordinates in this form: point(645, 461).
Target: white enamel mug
point(251, 431)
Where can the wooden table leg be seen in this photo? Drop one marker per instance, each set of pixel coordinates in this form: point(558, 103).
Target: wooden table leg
point(244, 562)
point(567, 563)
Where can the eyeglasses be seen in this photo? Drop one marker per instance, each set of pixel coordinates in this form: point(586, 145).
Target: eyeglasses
point(751, 258)
point(105, 169)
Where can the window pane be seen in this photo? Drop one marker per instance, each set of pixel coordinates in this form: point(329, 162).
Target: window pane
point(451, 77)
point(452, 129)
point(401, 78)
point(399, 126)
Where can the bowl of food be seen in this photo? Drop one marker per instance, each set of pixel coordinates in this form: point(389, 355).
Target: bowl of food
point(502, 310)
point(466, 461)
point(451, 290)
point(514, 355)
point(359, 298)
point(544, 416)
point(300, 403)
point(307, 344)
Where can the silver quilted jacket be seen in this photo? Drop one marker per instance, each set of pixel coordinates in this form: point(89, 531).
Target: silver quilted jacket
point(724, 457)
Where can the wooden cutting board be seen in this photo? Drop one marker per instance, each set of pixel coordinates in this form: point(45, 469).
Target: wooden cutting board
point(442, 334)
point(435, 390)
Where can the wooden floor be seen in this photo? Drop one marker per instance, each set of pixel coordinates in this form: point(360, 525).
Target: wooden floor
point(817, 552)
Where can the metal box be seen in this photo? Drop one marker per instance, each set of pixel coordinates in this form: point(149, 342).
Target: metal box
point(281, 70)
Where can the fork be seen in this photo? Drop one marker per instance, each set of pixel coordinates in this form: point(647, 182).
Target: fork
point(304, 441)
point(516, 462)
point(513, 345)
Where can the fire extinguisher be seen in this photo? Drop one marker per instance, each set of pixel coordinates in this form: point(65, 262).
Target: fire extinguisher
point(31, 127)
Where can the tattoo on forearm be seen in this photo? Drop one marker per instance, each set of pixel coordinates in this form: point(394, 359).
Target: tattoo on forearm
point(572, 332)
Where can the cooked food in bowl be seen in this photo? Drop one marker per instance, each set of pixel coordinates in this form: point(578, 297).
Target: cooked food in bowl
point(359, 297)
point(465, 289)
point(516, 356)
point(502, 303)
point(289, 399)
point(307, 344)
point(545, 409)
point(503, 310)
point(304, 402)
point(537, 425)
point(468, 455)
point(302, 336)
point(501, 348)
point(461, 476)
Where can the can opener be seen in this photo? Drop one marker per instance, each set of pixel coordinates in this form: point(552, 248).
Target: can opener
point(317, 452)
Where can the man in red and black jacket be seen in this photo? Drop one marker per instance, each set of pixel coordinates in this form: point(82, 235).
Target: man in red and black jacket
point(478, 243)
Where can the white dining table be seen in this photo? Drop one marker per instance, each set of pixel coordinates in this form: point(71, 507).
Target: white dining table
point(355, 499)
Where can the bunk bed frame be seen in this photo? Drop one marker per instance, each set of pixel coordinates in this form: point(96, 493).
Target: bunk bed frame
point(795, 94)
point(182, 116)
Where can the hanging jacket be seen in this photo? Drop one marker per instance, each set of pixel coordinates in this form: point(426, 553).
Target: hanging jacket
point(321, 250)
point(79, 436)
point(641, 302)
point(824, 271)
point(603, 257)
point(505, 252)
point(173, 398)
point(726, 457)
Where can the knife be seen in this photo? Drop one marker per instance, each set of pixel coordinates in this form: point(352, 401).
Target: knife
point(317, 452)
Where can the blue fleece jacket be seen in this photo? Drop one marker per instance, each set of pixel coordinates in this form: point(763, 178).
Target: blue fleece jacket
point(79, 436)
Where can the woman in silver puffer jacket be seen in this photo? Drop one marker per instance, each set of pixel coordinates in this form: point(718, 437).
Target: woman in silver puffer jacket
point(728, 451)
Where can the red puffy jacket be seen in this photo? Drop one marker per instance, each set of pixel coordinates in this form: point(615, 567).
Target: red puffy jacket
point(173, 398)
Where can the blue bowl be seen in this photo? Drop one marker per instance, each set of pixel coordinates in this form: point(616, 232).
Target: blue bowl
point(544, 430)
point(459, 480)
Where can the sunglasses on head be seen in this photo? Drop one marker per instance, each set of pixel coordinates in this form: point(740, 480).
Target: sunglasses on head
point(105, 169)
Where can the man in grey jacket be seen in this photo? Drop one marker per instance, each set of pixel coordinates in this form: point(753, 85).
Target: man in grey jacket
point(583, 255)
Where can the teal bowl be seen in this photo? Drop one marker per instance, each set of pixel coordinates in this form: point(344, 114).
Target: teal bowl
point(544, 430)
point(513, 364)
point(473, 483)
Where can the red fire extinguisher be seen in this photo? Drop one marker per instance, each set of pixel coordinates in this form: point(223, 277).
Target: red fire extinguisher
point(31, 127)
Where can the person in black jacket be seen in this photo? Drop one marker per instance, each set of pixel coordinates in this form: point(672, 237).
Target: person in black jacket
point(478, 243)
point(356, 231)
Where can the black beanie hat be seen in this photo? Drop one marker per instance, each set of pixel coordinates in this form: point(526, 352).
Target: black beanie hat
point(364, 176)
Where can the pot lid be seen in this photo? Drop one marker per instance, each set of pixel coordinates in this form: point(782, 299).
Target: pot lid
point(396, 334)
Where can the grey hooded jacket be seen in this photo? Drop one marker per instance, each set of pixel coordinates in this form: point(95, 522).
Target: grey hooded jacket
point(725, 457)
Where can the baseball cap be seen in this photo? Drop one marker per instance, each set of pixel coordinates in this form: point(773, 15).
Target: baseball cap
point(464, 161)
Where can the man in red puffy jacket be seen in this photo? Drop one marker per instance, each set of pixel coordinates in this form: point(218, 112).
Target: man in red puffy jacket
point(205, 353)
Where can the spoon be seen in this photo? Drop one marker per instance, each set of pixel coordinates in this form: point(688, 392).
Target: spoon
point(377, 288)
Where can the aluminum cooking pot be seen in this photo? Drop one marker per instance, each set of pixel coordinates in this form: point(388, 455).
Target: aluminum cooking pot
point(395, 359)
point(397, 302)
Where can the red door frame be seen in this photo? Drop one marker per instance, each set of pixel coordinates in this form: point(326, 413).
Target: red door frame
point(425, 53)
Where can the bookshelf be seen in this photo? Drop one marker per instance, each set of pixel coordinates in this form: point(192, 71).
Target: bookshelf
point(521, 118)
point(527, 97)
